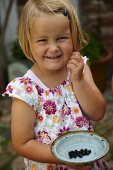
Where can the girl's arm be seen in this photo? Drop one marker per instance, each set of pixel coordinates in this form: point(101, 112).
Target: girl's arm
point(88, 95)
point(90, 98)
point(22, 122)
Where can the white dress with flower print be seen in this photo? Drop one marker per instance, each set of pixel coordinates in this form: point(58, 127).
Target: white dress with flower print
point(57, 111)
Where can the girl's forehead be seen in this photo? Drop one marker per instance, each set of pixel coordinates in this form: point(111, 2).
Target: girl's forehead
point(50, 22)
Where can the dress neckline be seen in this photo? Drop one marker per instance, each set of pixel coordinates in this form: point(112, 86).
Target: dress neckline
point(36, 79)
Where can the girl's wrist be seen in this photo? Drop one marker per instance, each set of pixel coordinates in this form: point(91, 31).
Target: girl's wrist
point(79, 82)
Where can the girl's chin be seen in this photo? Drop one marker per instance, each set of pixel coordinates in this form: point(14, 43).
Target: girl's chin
point(53, 67)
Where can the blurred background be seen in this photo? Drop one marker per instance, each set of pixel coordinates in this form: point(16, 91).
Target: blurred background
point(96, 17)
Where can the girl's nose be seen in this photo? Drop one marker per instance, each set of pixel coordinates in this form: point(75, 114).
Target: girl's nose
point(53, 47)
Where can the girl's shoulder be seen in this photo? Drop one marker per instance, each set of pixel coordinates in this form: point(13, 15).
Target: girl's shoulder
point(20, 84)
point(23, 88)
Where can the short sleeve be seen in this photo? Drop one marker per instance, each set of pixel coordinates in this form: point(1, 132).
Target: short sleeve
point(23, 88)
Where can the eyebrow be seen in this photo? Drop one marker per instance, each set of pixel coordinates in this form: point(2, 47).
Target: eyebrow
point(65, 34)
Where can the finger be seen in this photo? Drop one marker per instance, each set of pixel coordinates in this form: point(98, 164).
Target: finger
point(74, 62)
point(77, 58)
point(85, 167)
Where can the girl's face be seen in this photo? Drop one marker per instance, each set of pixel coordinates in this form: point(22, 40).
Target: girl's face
point(51, 41)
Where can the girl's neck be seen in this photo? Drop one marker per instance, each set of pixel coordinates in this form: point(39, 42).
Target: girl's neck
point(50, 78)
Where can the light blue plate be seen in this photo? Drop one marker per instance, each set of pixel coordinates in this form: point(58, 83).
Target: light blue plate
point(98, 145)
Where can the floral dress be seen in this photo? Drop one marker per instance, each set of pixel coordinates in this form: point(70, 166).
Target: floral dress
point(57, 111)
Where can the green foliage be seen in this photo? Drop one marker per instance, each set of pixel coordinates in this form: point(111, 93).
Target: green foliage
point(17, 52)
point(94, 49)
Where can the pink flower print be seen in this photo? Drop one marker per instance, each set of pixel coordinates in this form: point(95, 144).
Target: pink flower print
point(62, 168)
point(66, 110)
point(79, 121)
point(10, 89)
point(51, 167)
point(40, 90)
point(105, 165)
point(90, 127)
point(25, 81)
point(64, 83)
point(52, 91)
point(56, 90)
point(28, 89)
point(64, 130)
point(43, 136)
point(34, 108)
point(49, 107)
point(88, 124)
point(98, 164)
point(39, 117)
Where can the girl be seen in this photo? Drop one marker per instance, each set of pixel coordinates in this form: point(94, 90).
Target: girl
point(57, 94)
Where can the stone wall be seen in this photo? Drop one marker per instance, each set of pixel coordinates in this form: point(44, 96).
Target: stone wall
point(99, 12)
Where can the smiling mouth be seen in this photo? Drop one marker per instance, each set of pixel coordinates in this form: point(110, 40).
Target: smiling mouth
point(53, 57)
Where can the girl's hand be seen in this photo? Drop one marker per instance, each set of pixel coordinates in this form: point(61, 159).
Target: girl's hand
point(76, 66)
point(82, 167)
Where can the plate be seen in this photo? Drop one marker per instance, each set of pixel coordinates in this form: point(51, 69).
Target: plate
point(97, 145)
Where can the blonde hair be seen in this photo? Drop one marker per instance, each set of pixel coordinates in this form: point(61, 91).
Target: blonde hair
point(34, 8)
